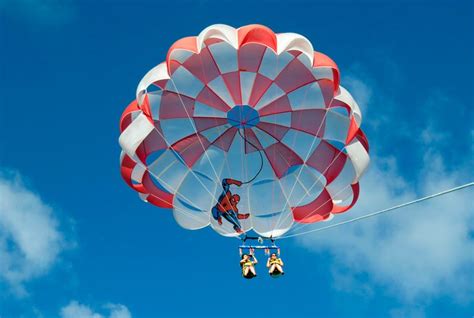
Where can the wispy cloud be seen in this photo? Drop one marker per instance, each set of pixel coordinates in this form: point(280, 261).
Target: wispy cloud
point(421, 252)
point(77, 310)
point(30, 237)
point(418, 252)
point(361, 91)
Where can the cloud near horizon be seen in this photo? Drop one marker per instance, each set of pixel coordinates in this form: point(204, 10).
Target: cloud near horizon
point(418, 253)
point(30, 236)
point(76, 310)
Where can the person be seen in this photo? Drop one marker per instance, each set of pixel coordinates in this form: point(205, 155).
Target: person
point(275, 266)
point(226, 206)
point(248, 263)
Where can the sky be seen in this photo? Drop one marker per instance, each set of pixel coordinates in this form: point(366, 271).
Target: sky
point(76, 242)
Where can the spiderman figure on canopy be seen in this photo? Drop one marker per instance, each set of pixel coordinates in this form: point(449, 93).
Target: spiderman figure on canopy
point(227, 206)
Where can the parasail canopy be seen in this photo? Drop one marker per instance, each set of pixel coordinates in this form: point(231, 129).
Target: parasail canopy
point(245, 104)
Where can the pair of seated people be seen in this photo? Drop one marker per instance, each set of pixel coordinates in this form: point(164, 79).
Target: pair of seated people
point(226, 207)
point(248, 262)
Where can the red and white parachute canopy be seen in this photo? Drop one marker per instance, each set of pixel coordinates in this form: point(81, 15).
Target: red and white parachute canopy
point(180, 138)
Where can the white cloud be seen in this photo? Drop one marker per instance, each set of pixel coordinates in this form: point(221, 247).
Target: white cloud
point(118, 311)
point(30, 239)
point(416, 253)
point(360, 90)
point(421, 251)
point(77, 310)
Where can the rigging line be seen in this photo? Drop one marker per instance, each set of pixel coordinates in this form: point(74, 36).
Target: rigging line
point(303, 225)
point(245, 174)
point(260, 170)
point(179, 195)
point(160, 180)
point(182, 196)
point(326, 108)
point(174, 208)
point(287, 203)
point(259, 152)
point(470, 184)
point(215, 196)
point(226, 162)
point(208, 78)
point(313, 185)
point(190, 169)
point(195, 129)
point(276, 67)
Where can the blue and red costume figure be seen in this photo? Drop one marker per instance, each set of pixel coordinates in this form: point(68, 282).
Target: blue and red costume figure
point(226, 206)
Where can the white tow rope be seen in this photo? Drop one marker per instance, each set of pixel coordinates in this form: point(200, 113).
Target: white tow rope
point(381, 211)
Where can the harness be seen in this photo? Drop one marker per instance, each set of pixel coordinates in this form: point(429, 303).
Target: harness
point(275, 261)
point(247, 264)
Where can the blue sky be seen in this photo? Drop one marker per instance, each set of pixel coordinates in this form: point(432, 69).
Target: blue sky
point(69, 69)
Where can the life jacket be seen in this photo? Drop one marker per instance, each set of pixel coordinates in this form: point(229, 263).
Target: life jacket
point(275, 261)
point(247, 264)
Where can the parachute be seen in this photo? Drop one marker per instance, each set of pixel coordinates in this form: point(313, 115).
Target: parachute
point(250, 105)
